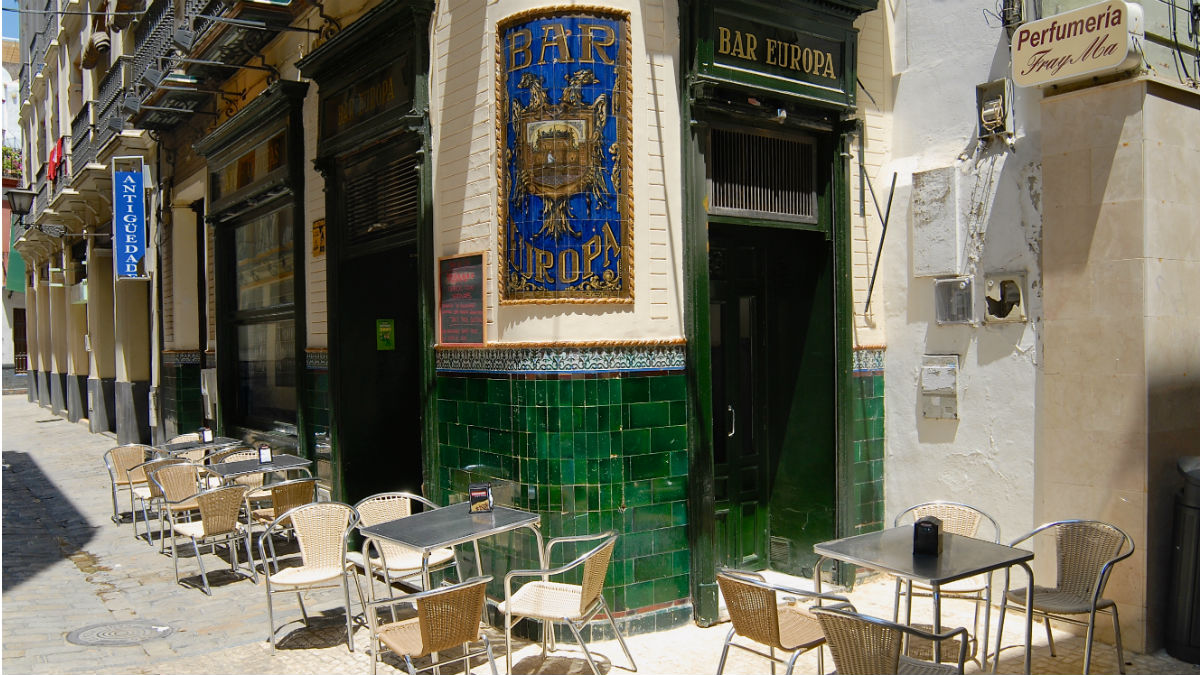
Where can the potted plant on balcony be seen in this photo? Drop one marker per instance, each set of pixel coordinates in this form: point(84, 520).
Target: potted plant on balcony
point(13, 167)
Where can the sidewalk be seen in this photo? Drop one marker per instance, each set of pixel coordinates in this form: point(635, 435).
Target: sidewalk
point(67, 567)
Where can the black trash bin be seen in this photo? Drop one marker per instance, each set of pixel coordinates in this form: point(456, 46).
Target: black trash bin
point(1183, 613)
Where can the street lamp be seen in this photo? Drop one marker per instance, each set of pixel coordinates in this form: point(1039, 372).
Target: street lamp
point(20, 201)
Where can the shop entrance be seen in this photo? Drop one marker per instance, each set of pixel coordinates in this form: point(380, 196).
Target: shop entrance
point(374, 331)
point(772, 341)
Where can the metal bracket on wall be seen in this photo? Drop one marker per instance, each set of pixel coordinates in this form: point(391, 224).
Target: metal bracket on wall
point(883, 220)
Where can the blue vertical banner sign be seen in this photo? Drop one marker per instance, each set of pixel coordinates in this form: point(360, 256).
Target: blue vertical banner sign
point(565, 149)
point(129, 217)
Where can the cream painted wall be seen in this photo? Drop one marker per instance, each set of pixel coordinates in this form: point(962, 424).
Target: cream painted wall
point(875, 102)
point(463, 114)
point(986, 456)
point(1122, 260)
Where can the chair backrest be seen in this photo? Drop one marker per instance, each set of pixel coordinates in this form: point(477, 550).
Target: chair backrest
point(859, 646)
point(449, 617)
point(956, 518)
point(193, 455)
point(321, 529)
point(124, 459)
point(1083, 550)
point(594, 570)
point(150, 466)
point(238, 454)
point(184, 438)
point(220, 507)
point(752, 609)
point(177, 481)
point(288, 495)
point(381, 508)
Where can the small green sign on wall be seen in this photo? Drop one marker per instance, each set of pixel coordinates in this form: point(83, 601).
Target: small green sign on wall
point(385, 335)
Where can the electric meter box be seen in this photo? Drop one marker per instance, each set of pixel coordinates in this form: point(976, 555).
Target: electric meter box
point(939, 386)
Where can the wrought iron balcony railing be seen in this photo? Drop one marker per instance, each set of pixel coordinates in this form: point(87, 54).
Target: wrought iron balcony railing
point(152, 40)
point(62, 174)
point(50, 29)
point(25, 74)
point(83, 151)
point(113, 89)
point(42, 198)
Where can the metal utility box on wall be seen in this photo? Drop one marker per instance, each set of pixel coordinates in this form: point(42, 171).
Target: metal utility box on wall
point(954, 300)
point(1004, 298)
point(936, 236)
point(939, 386)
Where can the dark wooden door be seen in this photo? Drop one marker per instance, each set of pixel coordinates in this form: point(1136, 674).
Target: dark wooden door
point(739, 463)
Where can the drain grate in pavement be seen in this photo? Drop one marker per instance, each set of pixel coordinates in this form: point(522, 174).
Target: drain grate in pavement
point(119, 634)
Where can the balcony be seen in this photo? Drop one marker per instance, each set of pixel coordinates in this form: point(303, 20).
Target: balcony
point(110, 116)
point(50, 29)
point(152, 38)
point(215, 40)
point(62, 175)
point(25, 70)
point(42, 198)
point(83, 151)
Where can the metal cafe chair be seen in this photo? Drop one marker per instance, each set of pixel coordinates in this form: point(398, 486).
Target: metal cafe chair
point(322, 529)
point(957, 518)
point(447, 618)
point(572, 604)
point(865, 645)
point(1085, 553)
point(757, 615)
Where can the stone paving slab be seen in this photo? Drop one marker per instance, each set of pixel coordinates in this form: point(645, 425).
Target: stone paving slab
point(66, 566)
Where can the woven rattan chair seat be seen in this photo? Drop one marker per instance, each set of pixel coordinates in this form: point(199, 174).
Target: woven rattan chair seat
point(798, 628)
point(125, 482)
point(304, 576)
point(544, 600)
point(403, 637)
point(1057, 602)
point(195, 528)
point(403, 560)
point(914, 667)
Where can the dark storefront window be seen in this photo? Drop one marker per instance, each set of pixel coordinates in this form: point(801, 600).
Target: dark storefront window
point(265, 294)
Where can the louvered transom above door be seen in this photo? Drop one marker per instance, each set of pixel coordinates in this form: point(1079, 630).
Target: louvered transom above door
point(381, 189)
point(756, 175)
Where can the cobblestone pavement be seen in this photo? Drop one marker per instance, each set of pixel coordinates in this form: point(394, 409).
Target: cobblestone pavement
point(67, 566)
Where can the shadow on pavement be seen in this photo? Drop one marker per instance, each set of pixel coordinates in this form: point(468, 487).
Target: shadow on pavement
point(40, 524)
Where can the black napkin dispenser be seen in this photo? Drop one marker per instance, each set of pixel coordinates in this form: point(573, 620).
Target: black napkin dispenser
point(927, 536)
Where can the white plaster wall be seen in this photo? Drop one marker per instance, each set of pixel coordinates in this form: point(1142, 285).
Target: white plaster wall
point(984, 458)
point(463, 115)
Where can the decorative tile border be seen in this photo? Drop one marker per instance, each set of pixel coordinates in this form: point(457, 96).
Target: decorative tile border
point(868, 359)
point(563, 359)
point(181, 358)
point(316, 359)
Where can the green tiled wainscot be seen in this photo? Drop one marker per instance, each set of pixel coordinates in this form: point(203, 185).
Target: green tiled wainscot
point(589, 452)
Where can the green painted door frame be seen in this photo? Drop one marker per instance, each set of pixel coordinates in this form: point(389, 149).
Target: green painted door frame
point(359, 50)
point(699, 103)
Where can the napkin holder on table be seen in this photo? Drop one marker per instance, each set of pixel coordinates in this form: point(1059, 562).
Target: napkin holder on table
point(927, 536)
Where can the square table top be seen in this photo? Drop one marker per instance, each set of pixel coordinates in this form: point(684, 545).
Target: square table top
point(891, 551)
point(449, 525)
point(249, 466)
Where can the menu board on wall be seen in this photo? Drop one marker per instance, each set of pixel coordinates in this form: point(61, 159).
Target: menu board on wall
point(460, 299)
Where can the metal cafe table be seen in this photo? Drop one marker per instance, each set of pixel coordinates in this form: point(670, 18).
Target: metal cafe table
point(230, 470)
point(891, 551)
point(184, 446)
point(450, 525)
